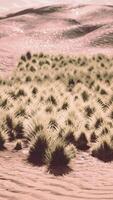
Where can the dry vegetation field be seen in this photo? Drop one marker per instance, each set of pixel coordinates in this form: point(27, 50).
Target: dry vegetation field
point(54, 106)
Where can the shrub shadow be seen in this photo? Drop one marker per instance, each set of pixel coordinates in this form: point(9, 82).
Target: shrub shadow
point(59, 171)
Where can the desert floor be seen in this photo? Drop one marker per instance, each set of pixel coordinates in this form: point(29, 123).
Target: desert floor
point(90, 179)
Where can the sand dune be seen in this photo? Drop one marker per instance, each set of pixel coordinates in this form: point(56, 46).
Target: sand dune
point(67, 29)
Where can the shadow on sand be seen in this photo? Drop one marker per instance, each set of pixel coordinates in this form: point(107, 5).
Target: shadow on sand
point(59, 171)
point(79, 31)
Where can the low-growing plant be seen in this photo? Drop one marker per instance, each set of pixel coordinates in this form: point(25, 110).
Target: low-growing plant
point(82, 142)
point(37, 150)
point(18, 145)
point(103, 149)
point(59, 154)
point(2, 139)
point(70, 137)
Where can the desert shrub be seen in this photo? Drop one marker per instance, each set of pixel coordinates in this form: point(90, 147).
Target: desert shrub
point(71, 82)
point(37, 150)
point(20, 92)
point(89, 111)
point(28, 79)
point(23, 58)
point(20, 111)
point(93, 137)
point(103, 149)
point(3, 103)
point(53, 124)
point(19, 130)
point(98, 123)
point(82, 142)
point(34, 61)
point(103, 92)
point(59, 154)
point(32, 69)
point(69, 122)
point(34, 91)
point(18, 146)
point(28, 55)
point(48, 109)
point(65, 106)
point(52, 100)
point(85, 96)
point(70, 137)
point(2, 139)
point(10, 127)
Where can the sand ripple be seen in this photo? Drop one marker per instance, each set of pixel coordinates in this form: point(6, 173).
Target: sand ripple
point(89, 179)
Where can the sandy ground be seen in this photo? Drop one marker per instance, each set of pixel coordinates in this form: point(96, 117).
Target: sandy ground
point(67, 29)
point(89, 179)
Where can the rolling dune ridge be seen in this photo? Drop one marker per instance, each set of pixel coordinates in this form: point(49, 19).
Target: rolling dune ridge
point(67, 29)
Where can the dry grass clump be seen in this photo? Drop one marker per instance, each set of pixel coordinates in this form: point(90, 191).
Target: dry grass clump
point(57, 103)
point(18, 145)
point(70, 137)
point(93, 137)
point(2, 139)
point(103, 149)
point(37, 151)
point(82, 142)
point(59, 153)
point(14, 127)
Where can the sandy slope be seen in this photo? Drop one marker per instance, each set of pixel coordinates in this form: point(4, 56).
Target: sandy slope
point(89, 179)
point(67, 29)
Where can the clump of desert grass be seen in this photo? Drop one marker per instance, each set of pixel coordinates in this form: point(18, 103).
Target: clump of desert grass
point(18, 145)
point(57, 104)
point(37, 150)
point(69, 137)
point(59, 153)
point(14, 127)
point(103, 148)
point(82, 142)
point(2, 139)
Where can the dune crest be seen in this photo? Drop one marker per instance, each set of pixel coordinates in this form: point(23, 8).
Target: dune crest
point(58, 28)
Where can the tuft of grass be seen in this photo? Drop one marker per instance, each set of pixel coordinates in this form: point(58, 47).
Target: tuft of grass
point(93, 137)
point(53, 124)
point(82, 142)
point(37, 151)
point(2, 139)
point(65, 106)
point(70, 137)
point(59, 154)
point(18, 145)
point(52, 100)
point(28, 55)
point(19, 130)
point(98, 123)
point(103, 149)
point(10, 127)
point(85, 96)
